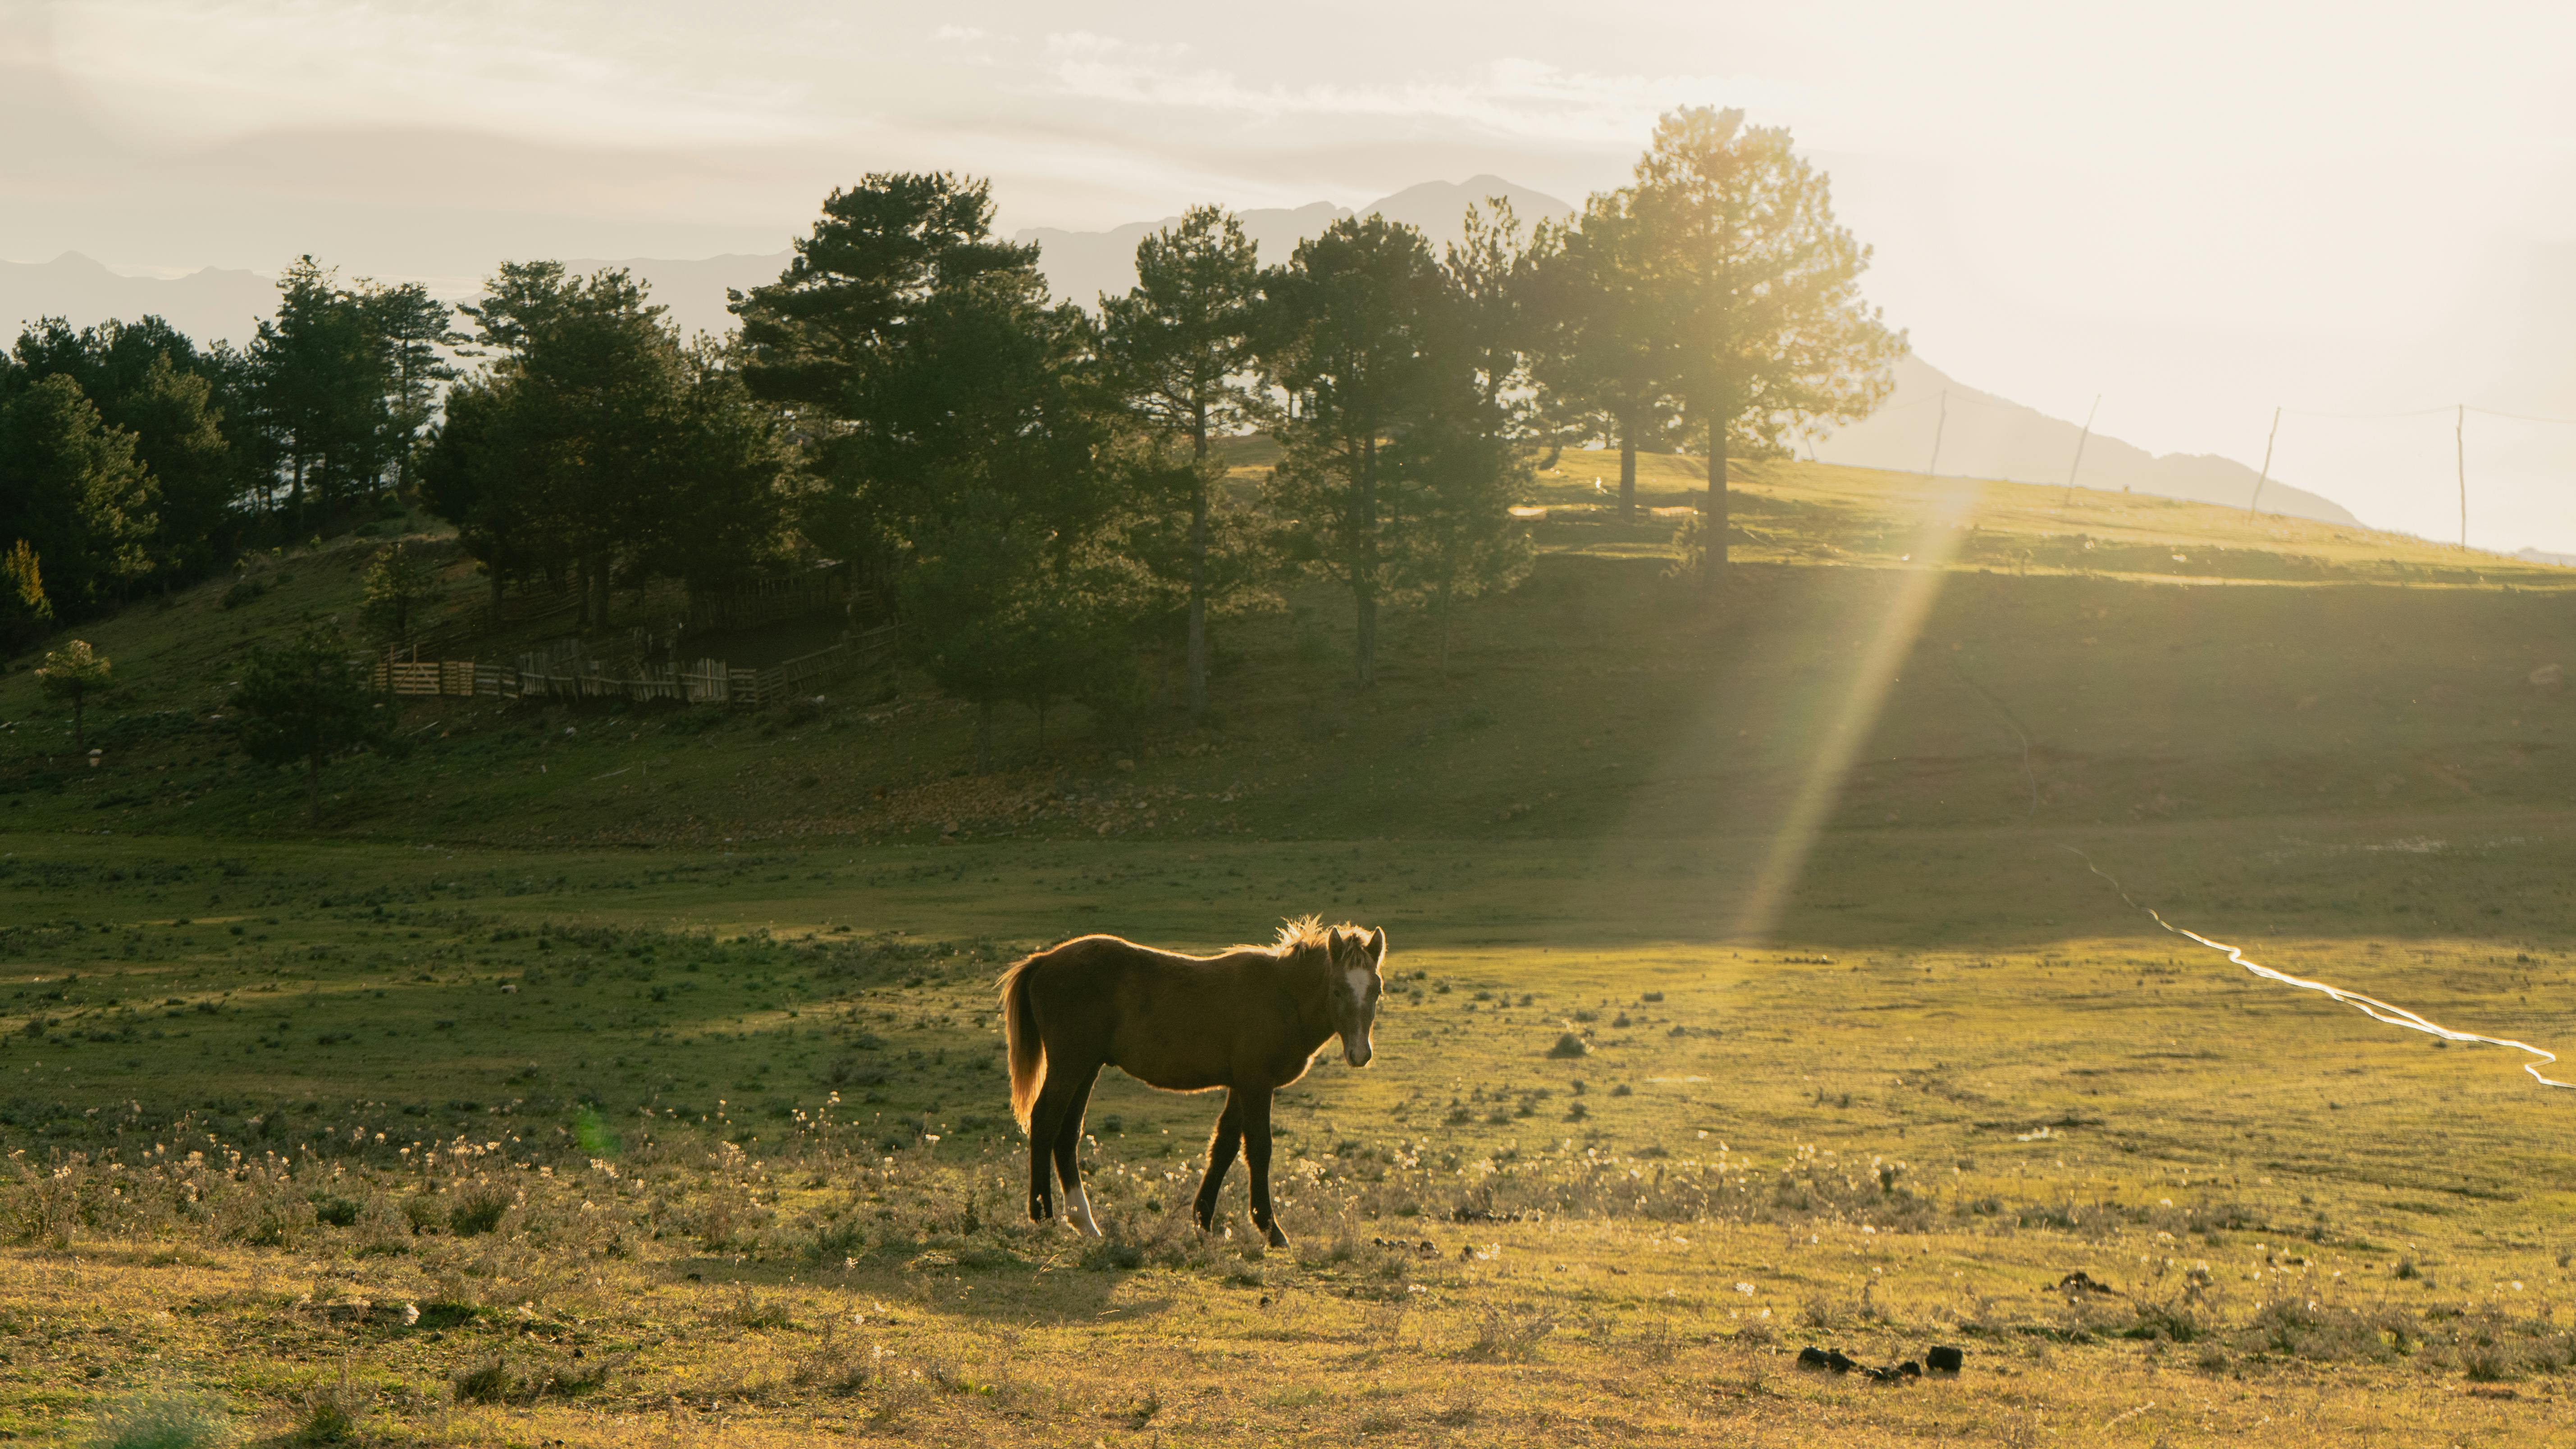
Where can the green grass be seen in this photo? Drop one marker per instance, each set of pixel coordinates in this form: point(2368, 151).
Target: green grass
point(532, 1103)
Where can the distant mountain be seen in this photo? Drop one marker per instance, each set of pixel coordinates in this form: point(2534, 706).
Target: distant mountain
point(1986, 436)
point(207, 305)
point(2541, 556)
point(695, 290)
point(1080, 265)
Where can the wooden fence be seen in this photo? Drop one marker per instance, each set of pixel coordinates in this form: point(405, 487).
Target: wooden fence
point(565, 670)
point(768, 601)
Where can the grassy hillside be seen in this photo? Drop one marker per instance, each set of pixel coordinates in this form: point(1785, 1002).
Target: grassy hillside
point(597, 1075)
point(2189, 662)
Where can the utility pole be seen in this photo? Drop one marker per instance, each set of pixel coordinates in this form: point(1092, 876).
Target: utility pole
point(2261, 478)
point(1934, 467)
point(2081, 439)
point(2460, 455)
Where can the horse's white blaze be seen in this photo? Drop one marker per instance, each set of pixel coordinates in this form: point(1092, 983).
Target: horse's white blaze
point(1355, 1042)
point(1077, 1211)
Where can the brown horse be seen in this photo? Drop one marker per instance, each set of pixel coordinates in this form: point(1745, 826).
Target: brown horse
point(1248, 1019)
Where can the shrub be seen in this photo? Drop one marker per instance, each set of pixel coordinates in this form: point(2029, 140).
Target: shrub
point(477, 1210)
point(2491, 1363)
point(487, 1382)
point(1111, 1254)
point(1568, 1045)
point(834, 1243)
point(161, 1420)
point(332, 1412)
point(1502, 1335)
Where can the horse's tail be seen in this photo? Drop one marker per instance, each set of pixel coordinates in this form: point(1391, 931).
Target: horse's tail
point(1021, 1042)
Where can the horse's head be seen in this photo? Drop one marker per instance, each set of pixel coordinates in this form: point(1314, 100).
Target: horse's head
point(1357, 955)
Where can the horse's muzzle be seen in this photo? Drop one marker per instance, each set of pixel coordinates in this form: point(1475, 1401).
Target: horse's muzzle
point(1358, 1055)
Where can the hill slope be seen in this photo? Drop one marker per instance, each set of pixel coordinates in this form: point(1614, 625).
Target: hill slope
point(2164, 660)
point(1985, 436)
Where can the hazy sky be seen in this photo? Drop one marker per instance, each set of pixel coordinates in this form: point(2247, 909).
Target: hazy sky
point(2195, 210)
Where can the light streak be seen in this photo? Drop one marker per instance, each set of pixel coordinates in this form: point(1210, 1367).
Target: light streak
point(2369, 1006)
point(1848, 721)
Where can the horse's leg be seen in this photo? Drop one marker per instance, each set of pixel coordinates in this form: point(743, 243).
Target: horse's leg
point(1256, 1162)
point(1046, 1121)
point(1068, 1163)
point(1221, 1146)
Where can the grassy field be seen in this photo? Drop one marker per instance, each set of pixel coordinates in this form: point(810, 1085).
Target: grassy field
point(615, 1077)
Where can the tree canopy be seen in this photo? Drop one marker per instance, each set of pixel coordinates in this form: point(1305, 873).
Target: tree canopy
point(1041, 494)
point(1764, 325)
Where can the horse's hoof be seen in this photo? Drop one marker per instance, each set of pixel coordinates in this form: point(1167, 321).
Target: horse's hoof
point(1278, 1239)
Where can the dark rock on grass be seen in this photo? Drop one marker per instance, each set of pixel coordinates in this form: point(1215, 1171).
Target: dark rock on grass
point(1812, 1357)
point(1944, 1360)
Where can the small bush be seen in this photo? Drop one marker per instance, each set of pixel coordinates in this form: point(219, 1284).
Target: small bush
point(2323, 1332)
point(1501, 1335)
point(422, 1211)
point(155, 1420)
point(1116, 1253)
point(488, 1382)
point(477, 1210)
point(2173, 1321)
point(332, 1412)
point(1568, 1046)
point(753, 1309)
point(836, 1243)
point(2491, 1363)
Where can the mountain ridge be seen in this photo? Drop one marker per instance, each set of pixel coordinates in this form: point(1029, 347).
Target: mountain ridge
point(1080, 265)
point(1987, 436)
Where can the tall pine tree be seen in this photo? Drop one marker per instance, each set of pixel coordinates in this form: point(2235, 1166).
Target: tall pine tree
point(1759, 289)
point(1179, 347)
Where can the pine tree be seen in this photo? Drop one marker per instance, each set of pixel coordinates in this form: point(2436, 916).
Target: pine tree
point(305, 702)
point(74, 672)
point(595, 443)
point(398, 585)
point(71, 487)
point(1759, 288)
point(1361, 329)
point(1178, 346)
point(1603, 365)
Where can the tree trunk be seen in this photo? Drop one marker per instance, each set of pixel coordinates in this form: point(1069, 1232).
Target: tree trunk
point(1713, 566)
point(1198, 645)
point(984, 738)
point(1627, 473)
point(1364, 564)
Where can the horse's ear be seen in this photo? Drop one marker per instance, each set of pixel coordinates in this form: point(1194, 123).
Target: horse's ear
point(1377, 946)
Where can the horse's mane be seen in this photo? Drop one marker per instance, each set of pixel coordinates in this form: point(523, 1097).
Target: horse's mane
point(1299, 932)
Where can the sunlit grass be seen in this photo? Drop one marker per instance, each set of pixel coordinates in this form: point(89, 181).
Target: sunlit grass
point(1893, 1139)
